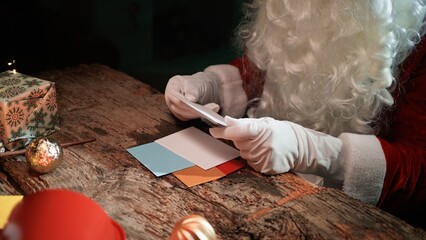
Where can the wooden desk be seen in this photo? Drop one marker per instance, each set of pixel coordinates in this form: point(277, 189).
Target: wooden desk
point(121, 112)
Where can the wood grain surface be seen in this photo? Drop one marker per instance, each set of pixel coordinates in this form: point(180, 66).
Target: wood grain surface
point(122, 112)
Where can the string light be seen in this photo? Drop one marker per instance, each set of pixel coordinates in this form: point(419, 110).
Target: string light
point(10, 64)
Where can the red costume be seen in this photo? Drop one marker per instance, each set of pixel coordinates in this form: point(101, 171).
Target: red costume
point(402, 137)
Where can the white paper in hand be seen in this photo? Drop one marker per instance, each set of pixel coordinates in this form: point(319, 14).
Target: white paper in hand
point(212, 117)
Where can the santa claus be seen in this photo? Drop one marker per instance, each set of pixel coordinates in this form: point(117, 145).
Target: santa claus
point(334, 88)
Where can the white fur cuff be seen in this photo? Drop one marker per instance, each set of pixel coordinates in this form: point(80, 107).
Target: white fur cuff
point(233, 97)
point(365, 166)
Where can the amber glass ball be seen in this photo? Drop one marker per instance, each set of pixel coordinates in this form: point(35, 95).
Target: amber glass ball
point(43, 155)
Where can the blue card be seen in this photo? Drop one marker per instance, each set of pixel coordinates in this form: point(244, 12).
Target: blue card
point(158, 159)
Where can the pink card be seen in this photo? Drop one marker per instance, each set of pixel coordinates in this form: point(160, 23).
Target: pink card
point(199, 148)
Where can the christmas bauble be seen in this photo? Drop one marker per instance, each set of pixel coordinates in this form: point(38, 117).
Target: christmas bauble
point(43, 155)
point(193, 227)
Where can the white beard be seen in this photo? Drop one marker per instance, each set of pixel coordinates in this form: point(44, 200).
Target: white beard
point(329, 63)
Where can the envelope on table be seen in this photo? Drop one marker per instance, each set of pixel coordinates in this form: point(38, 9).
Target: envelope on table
point(190, 153)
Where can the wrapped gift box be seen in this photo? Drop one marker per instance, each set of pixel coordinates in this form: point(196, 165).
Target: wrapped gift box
point(28, 109)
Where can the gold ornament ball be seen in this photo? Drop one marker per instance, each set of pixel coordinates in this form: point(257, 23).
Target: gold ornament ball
point(193, 227)
point(43, 155)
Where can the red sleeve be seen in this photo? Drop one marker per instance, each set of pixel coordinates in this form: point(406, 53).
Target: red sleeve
point(253, 79)
point(404, 188)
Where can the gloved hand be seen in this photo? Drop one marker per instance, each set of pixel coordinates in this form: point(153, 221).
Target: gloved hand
point(218, 87)
point(201, 87)
point(271, 147)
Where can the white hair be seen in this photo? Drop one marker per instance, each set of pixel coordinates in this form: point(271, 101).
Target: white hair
point(329, 64)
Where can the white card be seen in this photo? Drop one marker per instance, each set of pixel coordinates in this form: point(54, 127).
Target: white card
point(212, 117)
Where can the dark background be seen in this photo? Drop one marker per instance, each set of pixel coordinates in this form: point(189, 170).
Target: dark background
point(149, 40)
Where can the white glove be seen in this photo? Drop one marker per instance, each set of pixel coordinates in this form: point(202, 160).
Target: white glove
point(271, 147)
point(201, 87)
point(218, 87)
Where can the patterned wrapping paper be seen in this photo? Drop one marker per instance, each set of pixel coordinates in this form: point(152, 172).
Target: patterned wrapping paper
point(28, 109)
